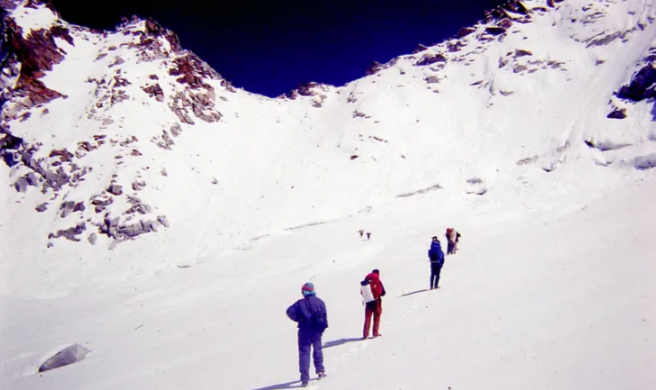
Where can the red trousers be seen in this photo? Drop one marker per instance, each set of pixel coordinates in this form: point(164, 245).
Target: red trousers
point(374, 308)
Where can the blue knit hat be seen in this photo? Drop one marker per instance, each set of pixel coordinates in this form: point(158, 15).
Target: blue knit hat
point(308, 289)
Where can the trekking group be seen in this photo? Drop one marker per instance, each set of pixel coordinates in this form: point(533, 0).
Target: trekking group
point(312, 316)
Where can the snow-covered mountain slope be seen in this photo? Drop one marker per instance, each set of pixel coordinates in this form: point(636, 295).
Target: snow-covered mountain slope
point(164, 220)
point(108, 136)
point(538, 297)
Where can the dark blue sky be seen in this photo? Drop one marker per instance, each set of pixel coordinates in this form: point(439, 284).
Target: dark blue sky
point(269, 47)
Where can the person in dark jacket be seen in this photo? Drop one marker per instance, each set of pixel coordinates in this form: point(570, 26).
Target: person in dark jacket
point(375, 307)
point(436, 257)
point(312, 317)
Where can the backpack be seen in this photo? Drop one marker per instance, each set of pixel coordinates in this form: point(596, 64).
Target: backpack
point(317, 322)
point(365, 291)
point(436, 258)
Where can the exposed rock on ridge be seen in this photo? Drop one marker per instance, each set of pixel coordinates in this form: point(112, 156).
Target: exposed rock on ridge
point(32, 54)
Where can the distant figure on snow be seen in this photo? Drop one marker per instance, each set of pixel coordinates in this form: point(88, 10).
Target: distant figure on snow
point(361, 232)
point(372, 299)
point(436, 257)
point(452, 237)
point(312, 317)
point(368, 235)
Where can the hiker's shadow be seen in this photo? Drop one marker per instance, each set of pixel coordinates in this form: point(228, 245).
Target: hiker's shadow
point(335, 343)
point(297, 384)
point(414, 292)
point(288, 385)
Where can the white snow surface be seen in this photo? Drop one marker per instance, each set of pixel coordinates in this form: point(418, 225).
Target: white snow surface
point(553, 287)
point(34, 19)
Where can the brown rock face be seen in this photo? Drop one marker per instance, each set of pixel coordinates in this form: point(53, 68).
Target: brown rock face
point(29, 58)
point(513, 10)
point(374, 68)
point(419, 49)
point(516, 6)
point(36, 54)
point(305, 89)
point(155, 91)
point(464, 31)
point(429, 59)
point(505, 23)
point(495, 30)
point(552, 3)
point(34, 91)
point(454, 46)
point(192, 70)
point(156, 30)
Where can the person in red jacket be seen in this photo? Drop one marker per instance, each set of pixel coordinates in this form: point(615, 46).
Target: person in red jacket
point(374, 307)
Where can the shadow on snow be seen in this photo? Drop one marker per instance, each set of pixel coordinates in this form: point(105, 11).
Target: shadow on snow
point(414, 292)
point(288, 385)
point(297, 384)
point(335, 343)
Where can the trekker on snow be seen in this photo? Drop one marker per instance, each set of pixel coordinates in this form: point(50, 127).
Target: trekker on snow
point(312, 317)
point(436, 257)
point(452, 237)
point(368, 235)
point(374, 307)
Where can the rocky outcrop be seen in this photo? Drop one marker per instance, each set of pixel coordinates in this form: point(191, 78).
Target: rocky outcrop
point(28, 58)
point(645, 162)
point(464, 31)
point(495, 30)
point(154, 29)
point(522, 53)
point(115, 189)
point(514, 10)
point(305, 89)
point(501, 18)
point(311, 89)
point(69, 207)
point(113, 228)
point(198, 97)
point(373, 68)
point(642, 85)
point(617, 114)
point(552, 3)
point(31, 56)
point(191, 71)
point(431, 58)
point(419, 49)
point(138, 185)
point(454, 46)
point(70, 233)
point(201, 104)
point(69, 355)
point(154, 91)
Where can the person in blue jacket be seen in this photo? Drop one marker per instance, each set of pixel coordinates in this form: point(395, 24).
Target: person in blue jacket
point(312, 317)
point(436, 257)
